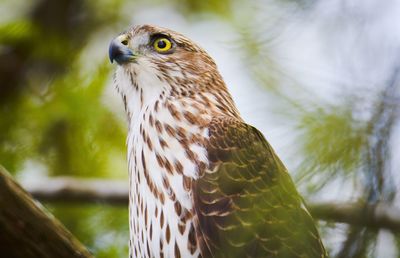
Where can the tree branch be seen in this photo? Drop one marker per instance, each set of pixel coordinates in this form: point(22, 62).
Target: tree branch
point(380, 215)
point(28, 231)
point(67, 189)
point(116, 193)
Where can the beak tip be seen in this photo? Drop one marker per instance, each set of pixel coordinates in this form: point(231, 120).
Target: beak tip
point(111, 50)
point(119, 52)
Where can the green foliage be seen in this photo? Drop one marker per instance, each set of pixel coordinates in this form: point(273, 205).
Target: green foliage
point(68, 128)
point(333, 141)
point(78, 130)
point(53, 111)
point(104, 229)
point(222, 7)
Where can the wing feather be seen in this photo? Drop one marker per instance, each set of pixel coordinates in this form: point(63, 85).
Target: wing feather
point(248, 206)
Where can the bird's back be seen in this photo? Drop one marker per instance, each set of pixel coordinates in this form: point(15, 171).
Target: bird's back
point(247, 206)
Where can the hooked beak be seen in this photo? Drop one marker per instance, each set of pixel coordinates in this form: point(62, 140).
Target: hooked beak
point(119, 50)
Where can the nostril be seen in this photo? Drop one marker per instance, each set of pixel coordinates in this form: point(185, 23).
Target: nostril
point(124, 42)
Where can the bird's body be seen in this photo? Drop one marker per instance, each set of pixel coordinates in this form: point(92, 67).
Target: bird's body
point(202, 182)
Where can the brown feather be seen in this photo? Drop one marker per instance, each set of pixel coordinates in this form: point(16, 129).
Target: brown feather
point(248, 206)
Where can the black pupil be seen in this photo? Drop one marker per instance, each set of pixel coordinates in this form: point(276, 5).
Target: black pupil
point(161, 44)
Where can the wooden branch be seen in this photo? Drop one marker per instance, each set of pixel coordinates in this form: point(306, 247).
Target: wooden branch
point(380, 215)
point(116, 193)
point(67, 189)
point(28, 231)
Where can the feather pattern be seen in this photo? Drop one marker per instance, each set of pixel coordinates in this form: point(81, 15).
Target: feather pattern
point(246, 205)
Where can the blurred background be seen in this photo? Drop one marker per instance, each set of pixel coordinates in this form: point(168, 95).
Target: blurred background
point(320, 79)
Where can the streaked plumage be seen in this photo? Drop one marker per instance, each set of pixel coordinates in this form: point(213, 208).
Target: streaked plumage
point(202, 182)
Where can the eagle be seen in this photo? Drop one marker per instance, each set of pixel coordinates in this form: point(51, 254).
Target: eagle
point(202, 182)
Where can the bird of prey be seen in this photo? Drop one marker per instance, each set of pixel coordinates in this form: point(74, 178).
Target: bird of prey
point(203, 183)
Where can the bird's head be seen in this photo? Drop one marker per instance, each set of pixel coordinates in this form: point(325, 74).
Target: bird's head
point(157, 64)
point(160, 60)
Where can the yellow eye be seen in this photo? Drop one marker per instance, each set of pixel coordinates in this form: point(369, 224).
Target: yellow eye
point(162, 45)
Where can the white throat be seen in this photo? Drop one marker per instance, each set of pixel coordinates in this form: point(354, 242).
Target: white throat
point(162, 164)
point(139, 87)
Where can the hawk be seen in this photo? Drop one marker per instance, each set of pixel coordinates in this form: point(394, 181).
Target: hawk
point(203, 183)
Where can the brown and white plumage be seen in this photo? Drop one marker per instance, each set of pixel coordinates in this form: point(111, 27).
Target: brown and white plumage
point(202, 182)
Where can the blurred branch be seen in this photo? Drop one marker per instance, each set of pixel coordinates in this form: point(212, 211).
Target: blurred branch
point(380, 215)
point(28, 231)
point(66, 189)
point(379, 178)
point(378, 186)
